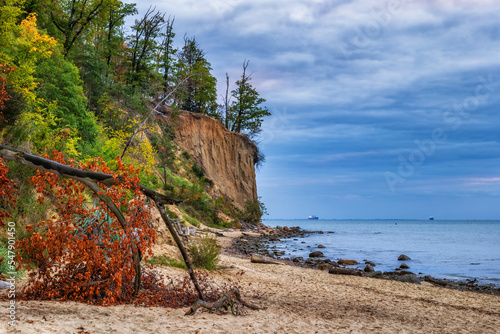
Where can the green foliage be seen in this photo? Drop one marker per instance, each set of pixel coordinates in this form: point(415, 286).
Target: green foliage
point(163, 260)
point(253, 211)
point(191, 220)
point(205, 252)
point(199, 93)
point(60, 85)
point(245, 114)
point(197, 171)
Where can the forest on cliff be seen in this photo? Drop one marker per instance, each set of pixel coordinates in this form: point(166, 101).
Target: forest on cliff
point(75, 80)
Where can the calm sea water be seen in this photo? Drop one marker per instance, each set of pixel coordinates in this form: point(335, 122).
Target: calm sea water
point(452, 249)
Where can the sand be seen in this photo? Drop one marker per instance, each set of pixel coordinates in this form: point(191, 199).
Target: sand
point(298, 300)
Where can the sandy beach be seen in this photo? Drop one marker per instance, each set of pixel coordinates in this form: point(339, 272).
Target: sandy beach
point(298, 300)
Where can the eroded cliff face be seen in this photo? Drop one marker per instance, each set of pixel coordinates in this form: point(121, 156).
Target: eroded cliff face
point(227, 158)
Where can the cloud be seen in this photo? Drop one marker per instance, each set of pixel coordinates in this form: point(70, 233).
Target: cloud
point(353, 85)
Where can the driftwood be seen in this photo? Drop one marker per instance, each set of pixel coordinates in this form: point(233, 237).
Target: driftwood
point(224, 302)
point(346, 271)
point(264, 259)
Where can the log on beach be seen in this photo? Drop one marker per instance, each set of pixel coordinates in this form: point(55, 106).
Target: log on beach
point(264, 259)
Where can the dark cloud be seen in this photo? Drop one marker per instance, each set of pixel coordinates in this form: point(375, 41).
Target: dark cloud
point(359, 87)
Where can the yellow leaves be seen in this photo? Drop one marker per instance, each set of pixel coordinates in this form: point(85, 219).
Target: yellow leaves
point(34, 41)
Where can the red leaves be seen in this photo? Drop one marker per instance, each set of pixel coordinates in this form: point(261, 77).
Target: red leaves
point(8, 192)
point(4, 69)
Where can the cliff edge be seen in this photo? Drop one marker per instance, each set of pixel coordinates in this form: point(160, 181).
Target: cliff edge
point(225, 157)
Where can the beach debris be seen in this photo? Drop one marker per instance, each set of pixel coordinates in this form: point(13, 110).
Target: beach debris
point(316, 254)
point(264, 259)
point(347, 262)
point(231, 300)
point(403, 257)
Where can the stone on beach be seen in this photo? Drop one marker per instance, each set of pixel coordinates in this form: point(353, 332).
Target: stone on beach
point(369, 269)
point(404, 266)
point(316, 254)
point(347, 262)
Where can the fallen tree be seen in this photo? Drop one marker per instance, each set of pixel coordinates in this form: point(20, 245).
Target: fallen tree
point(94, 181)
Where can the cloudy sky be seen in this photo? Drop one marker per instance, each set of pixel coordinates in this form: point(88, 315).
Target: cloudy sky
point(381, 109)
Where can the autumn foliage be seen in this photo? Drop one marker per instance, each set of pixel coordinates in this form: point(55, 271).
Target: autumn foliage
point(83, 254)
point(7, 193)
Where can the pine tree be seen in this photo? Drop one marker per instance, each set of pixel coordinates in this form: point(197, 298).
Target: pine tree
point(245, 115)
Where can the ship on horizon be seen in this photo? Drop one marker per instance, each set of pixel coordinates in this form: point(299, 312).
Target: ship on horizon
point(313, 217)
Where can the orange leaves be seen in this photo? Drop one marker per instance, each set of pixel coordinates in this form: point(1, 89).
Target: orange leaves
point(84, 255)
point(8, 192)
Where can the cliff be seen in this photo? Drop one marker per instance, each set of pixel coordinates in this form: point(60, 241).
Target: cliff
point(225, 157)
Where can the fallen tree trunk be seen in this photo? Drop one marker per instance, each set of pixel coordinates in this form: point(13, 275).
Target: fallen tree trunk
point(264, 259)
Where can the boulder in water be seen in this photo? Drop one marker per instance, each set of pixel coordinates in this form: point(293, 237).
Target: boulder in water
point(403, 257)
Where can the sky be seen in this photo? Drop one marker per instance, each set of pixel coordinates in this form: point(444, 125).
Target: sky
point(381, 109)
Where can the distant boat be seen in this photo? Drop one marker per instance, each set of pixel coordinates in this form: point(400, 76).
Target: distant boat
point(313, 217)
point(431, 218)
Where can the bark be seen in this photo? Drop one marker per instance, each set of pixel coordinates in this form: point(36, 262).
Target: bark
point(224, 302)
point(178, 241)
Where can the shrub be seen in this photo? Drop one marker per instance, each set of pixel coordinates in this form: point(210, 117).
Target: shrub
point(205, 252)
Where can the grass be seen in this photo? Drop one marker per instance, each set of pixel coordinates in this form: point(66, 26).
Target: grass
point(205, 252)
point(163, 260)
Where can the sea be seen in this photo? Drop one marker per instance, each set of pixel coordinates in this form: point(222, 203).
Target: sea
point(445, 249)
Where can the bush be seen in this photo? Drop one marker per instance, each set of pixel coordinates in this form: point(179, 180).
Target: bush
point(205, 252)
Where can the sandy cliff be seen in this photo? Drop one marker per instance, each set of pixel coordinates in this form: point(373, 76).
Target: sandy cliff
point(227, 158)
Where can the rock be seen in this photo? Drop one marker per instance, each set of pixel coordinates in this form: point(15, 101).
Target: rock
point(369, 269)
point(404, 266)
point(345, 271)
point(346, 262)
point(370, 263)
point(324, 266)
point(274, 239)
point(334, 264)
point(217, 151)
point(321, 246)
point(377, 274)
point(403, 257)
point(409, 278)
point(298, 259)
point(285, 228)
point(316, 254)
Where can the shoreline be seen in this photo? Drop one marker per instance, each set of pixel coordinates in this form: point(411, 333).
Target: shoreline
point(263, 244)
point(298, 300)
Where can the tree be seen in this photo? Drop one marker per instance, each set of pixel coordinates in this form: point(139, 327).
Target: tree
point(245, 114)
point(73, 17)
point(200, 92)
point(143, 43)
point(167, 56)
